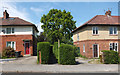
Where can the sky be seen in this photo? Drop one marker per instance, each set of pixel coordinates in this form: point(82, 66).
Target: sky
point(81, 11)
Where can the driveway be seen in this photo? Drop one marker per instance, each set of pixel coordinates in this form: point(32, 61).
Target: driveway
point(27, 60)
point(28, 64)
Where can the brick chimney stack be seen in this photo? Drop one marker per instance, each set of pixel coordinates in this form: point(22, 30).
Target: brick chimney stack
point(5, 14)
point(108, 13)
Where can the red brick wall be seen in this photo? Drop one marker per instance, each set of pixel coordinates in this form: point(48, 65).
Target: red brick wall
point(102, 44)
point(19, 42)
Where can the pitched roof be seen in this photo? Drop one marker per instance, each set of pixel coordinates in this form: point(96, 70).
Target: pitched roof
point(101, 20)
point(15, 21)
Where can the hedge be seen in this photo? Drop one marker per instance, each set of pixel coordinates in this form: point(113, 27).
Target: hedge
point(55, 49)
point(110, 57)
point(44, 47)
point(67, 55)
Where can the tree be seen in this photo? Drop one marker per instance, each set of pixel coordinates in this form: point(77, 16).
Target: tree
point(41, 37)
point(58, 24)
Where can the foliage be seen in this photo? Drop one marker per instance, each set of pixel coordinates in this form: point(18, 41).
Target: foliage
point(110, 57)
point(44, 47)
point(66, 40)
point(58, 24)
point(77, 51)
point(67, 55)
point(41, 37)
point(55, 49)
point(8, 52)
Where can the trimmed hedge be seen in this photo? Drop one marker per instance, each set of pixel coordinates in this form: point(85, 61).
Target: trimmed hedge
point(44, 47)
point(110, 57)
point(55, 49)
point(67, 55)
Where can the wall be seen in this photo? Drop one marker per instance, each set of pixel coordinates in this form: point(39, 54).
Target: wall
point(19, 42)
point(86, 33)
point(19, 30)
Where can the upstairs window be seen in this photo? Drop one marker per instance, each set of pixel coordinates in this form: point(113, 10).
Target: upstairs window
point(77, 37)
point(114, 46)
point(9, 30)
point(95, 30)
point(113, 30)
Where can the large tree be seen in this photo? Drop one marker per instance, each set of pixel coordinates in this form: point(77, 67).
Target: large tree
point(58, 24)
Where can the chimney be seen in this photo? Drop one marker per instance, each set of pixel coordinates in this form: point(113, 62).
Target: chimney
point(108, 13)
point(5, 14)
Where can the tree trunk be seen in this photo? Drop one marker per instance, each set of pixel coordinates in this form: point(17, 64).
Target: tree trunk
point(58, 43)
point(58, 51)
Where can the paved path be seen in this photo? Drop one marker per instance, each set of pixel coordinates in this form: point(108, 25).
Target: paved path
point(28, 64)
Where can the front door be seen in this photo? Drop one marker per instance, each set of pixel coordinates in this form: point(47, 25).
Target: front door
point(27, 48)
point(95, 50)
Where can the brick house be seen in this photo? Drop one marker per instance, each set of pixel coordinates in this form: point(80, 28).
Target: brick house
point(18, 34)
point(102, 32)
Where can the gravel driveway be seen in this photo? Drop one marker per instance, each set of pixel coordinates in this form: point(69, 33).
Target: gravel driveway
point(28, 64)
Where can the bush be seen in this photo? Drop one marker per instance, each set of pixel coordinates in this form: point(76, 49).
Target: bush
point(77, 51)
point(67, 55)
point(8, 52)
point(110, 57)
point(55, 49)
point(44, 47)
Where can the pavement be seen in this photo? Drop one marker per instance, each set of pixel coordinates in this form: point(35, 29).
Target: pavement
point(29, 64)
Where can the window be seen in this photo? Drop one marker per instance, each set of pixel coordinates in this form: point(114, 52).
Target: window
point(113, 30)
point(9, 30)
point(83, 47)
point(95, 30)
point(11, 44)
point(114, 46)
point(78, 37)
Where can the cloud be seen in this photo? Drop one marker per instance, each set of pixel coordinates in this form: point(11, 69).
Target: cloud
point(39, 27)
point(36, 9)
point(13, 10)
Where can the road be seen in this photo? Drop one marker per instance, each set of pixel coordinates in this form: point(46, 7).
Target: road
point(28, 64)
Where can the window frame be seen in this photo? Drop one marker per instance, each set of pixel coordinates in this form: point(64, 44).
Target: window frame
point(11, 44)
point(12, 30)
point(111, 45)
point(113, 30)
point(96, 30)
point(84, 48)
point(77, 36)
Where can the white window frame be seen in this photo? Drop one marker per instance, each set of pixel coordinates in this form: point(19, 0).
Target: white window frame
point(84, 48)
point(96, 29)
point(115, 44)
point(113, 33)
point(77, 36)
point(10, 31)
point(12, 44)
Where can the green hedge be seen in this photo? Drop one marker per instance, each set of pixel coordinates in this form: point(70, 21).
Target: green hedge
point(55, 49)
point(44, 47)
point(110, 57)
point(67, 55)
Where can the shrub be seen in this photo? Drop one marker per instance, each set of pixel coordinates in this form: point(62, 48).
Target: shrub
point(44, 47)
point(77, 51)
point(8, 52)
point(110, 57)
point(67, 55)
point(55, 49)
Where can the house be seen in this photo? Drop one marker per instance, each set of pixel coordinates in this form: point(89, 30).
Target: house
point(18, 34)
point(102, 32)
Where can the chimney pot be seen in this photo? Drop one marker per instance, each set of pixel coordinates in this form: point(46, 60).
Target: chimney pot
point(108, 13)
point(5, 14)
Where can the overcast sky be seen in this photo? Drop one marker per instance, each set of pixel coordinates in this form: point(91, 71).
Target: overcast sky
point(81, 11)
